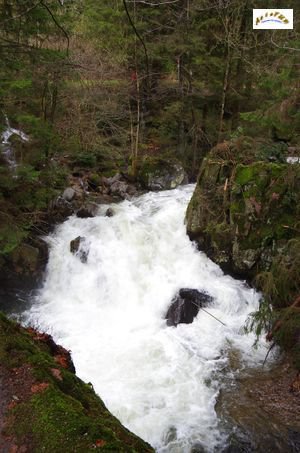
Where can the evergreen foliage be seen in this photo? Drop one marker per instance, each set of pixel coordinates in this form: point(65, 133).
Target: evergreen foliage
point(103, 85)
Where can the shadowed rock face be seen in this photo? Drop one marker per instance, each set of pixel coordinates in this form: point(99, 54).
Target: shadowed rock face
point(185, 306)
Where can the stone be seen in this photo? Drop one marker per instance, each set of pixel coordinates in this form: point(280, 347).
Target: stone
point(69, 194)
point(110, 212)
point(185, 306)
point(161, 174)
point(78, 247)
point(114, 178)
point(119, 188)
point(244, 260)
point(61, 209)
point(87, 210)
point(131, 190)
point(242, 228)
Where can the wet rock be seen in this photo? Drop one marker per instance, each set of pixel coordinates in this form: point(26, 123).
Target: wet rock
point(78, 247)
point(239, 442)
point(110, 212)
point(119, 188)
point(87, 210)
point(161, 174)
point(61, 209)
point(69, 194)
point(258, 412)
point(131, 190)
point(186, 305)
point(198, 448)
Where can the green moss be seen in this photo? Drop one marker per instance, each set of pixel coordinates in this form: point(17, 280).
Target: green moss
point(64, 414)
point(263, 201)
point(10, 236)
point(258, 173)
point(58, 422)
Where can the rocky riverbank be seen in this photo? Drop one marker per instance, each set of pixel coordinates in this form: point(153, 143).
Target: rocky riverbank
point(261, 410)
point(244, 214)
point(23, 251)
point(44, 406)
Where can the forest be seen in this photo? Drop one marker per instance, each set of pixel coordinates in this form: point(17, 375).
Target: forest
point(105, 85)
point(101, 93)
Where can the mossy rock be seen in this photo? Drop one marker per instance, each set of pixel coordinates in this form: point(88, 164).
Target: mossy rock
point(256, 205)
point(160, 174)
point(52, 409)
point(250, 226)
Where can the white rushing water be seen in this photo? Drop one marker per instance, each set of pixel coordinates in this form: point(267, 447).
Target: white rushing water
point(161, 382)
point(7, 149)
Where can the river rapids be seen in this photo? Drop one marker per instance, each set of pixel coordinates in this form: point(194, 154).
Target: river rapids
point(161, 382)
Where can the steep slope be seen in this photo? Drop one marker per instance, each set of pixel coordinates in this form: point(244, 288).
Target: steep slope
point(45, 407)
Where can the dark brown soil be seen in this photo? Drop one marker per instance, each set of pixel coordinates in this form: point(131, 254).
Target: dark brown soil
point(15, 388)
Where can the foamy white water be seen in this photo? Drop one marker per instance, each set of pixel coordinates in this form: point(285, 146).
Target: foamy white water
point(7, 150)
point(161, 382)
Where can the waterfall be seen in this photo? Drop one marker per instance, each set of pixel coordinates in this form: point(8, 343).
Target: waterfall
point(161, 382)
point(7, 149)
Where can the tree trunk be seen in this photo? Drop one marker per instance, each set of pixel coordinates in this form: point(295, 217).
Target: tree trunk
point(224, 93)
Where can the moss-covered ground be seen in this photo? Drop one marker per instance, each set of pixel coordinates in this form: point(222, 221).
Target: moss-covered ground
point(45, 407)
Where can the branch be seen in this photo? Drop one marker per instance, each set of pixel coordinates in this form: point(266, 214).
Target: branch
point(57, 24)
point(283, 47)
point(139, 37)
point(24, 13)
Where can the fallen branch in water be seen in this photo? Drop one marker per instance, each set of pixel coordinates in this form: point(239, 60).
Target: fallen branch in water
point(207, 312)
point(269, 350)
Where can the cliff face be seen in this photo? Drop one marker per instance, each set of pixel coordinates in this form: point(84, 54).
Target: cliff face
point(246, 218)
point(45, 407)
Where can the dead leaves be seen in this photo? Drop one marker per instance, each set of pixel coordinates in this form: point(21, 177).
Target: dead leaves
point(39, 388)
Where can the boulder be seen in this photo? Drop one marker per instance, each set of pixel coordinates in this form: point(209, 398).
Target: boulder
point(243, 216)
point(110, 212)
point(115, 178)
point(78, 247)
point(131, 190)
point(69, 194)
point(185, 306)
point(87, 210)
point(119, 188)
point(61, 209)
point(161, 174)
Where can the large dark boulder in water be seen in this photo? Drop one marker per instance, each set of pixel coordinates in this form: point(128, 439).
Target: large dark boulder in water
point(185, 306)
